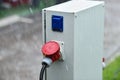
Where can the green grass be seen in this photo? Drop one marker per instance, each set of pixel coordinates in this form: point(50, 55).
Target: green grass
point(22, 10)
point(112, 71)
point(25, 9)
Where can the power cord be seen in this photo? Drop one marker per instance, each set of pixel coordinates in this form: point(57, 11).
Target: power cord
point(45, 64)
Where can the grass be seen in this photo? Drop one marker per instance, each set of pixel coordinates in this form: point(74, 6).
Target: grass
point(112, 71)
point(22, 10)
point(25, 9)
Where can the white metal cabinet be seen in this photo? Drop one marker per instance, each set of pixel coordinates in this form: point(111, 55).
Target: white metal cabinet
point(83, 23)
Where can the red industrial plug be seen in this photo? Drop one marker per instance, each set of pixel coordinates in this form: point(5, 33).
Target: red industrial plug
point(51, 50)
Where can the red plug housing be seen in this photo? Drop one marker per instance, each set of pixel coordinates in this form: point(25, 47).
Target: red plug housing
point(51, 50)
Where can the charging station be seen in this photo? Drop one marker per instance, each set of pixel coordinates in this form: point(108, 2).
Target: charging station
point(78, 28)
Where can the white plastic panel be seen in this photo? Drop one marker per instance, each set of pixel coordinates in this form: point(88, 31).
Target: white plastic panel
point(74, 6)
point(60, 70)
point(88, 44)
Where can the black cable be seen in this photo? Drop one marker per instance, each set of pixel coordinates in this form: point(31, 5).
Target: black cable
point(44, 66)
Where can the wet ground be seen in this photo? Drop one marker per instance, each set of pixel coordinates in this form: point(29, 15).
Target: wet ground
point(20, 43)
point(112, 28)
point(20, 57)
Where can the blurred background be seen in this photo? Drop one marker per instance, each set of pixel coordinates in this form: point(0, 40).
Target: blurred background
point(21, 38)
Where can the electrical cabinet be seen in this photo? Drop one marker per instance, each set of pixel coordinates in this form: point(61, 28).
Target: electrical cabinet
point(80, 25)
